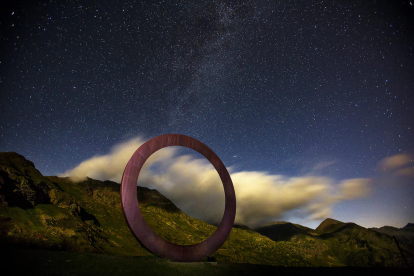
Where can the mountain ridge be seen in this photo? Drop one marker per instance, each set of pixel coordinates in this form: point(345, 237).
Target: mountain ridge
point(50, 212)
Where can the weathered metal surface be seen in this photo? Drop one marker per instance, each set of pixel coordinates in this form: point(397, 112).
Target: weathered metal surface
point(139, 226)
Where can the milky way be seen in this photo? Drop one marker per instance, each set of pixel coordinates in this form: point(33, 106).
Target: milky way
point(293, 88)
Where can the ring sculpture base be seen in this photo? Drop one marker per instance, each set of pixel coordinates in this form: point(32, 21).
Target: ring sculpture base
point(139, 227)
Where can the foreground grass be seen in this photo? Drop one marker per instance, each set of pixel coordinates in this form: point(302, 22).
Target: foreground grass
point(44, 262)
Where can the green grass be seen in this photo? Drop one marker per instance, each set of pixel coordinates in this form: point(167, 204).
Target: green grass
point(86, 217)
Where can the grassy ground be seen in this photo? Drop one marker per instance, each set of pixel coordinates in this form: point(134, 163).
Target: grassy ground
point(44, 262)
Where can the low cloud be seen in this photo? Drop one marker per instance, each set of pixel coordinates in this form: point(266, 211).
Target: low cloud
point(323, 165)
point(195, 187)
point(354, 188)
point(395, 161)
point(397, 166)
point(111, 166)
point(409, 172)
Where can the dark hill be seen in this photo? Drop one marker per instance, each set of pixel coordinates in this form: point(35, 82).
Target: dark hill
point(404, 235)
point(55, 213)
point(358, 246)
point(338, 242)
point(285, 231)
point(329, 225)
point(409, 227)
point(389, 230)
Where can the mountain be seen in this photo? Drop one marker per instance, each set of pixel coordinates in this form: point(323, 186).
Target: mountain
point(285, 231)
point(357, 246)
point(338, 242)
point(329, 225)
point(409, 227)
point(54, 213)
point(404, 235)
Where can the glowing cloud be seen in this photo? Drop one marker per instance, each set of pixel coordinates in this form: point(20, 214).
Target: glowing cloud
point(354, 188)
point(395, 161)
point(195, 187)
point(409, 172)
point(398, 167)
point(111, 166)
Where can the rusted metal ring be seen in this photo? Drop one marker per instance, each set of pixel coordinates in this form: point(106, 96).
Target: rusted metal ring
point(139, 227)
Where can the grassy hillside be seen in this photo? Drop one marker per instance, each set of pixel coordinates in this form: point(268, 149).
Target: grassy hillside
point(405, 234)
point(85, 217)
point(357, 246)
point(55, 213)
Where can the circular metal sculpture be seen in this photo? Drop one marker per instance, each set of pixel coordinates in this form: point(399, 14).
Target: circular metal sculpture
point(139, 226)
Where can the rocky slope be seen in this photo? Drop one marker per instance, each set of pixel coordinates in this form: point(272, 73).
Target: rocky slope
point(404, 236)
point(55, 213)
point(340, 243)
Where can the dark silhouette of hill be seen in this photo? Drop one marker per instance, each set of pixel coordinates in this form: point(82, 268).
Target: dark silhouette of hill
point(404, 235)
point(329, 225)
point(409, 227)
point(285, 231)
point(406, 231)
point(347, 243)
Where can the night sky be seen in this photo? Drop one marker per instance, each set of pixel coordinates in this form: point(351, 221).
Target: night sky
point(296, 89)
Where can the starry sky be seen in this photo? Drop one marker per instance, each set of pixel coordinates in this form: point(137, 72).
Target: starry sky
point(294, 89)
